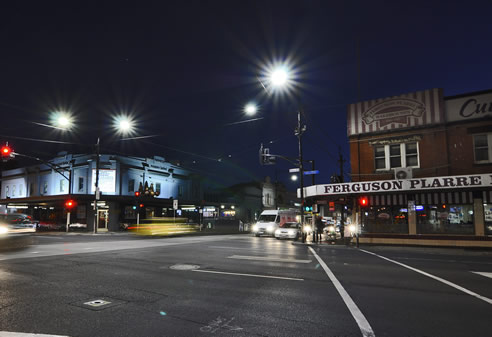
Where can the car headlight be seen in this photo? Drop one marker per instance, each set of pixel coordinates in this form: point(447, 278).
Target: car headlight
point(270, 229)
point(277, 231)
point(352, 228)
point(331, 228)
point(3, 230)
point(307, 228)
point(255, 228)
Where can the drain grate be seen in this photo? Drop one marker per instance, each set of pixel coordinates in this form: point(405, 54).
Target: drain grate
point(98, 304)
point(184, 267)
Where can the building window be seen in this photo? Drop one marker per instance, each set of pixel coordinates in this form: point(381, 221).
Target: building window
point(45, 188)
point(7, 191)
point(452, 219)
point(13, 190)
point(396, 155)
point(81, 184)
point(180, 191)
point(380, 157)
point(131, 185)
point(21, 190)
point(481, 148)
point(31, 189)
point(158, 188)
point(62, 185)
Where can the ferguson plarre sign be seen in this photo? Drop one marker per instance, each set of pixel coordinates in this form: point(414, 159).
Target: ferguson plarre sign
point(404, 185)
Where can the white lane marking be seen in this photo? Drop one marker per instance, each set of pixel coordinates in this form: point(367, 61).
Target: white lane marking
point(266, 258)
point(482, 273)
point(88, 248)
point(362, 322)
point(34, 252)
point(22, 334)
point(451, 284)
point(249, 275)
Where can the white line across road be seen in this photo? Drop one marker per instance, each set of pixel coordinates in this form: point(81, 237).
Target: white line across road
point(22, 334)
point(483, 273)
point(267, 258)
point(437, 278)
point(360, 319)
point(249, 275)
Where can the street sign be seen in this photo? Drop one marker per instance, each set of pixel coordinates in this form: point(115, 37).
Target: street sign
point(311, 172)
point(293, 170)
point(175, 204)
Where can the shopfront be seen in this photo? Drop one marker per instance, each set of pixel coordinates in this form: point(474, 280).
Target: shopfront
point(450, 205)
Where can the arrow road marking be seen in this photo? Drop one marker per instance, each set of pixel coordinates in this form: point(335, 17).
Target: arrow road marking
point(483, 273)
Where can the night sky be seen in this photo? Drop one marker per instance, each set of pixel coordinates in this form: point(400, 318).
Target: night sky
point(184, 70)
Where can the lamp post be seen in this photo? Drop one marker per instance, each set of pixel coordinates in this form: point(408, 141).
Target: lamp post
point(279, 78)
point(122, 125)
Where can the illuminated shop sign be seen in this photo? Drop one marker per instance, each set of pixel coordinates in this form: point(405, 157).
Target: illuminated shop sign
point(403, 185)
point(107, 181)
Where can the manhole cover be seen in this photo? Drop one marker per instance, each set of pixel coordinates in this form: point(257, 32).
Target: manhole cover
point(185, 267)
point(97, 303)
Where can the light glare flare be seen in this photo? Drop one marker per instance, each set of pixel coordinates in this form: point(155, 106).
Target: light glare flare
point(124, 125)
point(250, 109)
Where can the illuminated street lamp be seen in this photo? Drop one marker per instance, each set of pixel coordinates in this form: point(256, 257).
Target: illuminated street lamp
point(62, 120)
point(250, 109)
point(293, 177)
point(123, 125)
point(279, 78)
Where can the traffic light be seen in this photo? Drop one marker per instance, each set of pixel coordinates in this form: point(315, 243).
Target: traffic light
point(141, 205)
point(363, 202)
point(6, 152)
point(265, 157)
point(137, 193)
point(69, 204)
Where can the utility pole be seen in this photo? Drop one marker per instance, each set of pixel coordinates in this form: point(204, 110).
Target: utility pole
point(341, 161)
point(300, 129)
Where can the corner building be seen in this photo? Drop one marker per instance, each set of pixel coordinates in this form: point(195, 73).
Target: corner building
point(424, 162)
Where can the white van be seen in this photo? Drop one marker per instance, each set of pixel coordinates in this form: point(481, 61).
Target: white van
point(270, 220)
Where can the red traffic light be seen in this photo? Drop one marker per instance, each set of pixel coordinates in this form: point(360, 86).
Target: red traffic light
point(6, 150)
point(137, 193)
point(363, 201)
point(141, 205)
point(70, 204)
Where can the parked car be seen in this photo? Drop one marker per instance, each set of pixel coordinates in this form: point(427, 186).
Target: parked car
point(289, 230)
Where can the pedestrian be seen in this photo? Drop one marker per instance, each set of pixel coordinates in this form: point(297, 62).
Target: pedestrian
point(319, 226)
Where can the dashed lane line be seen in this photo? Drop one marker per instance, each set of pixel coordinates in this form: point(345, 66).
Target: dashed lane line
point(437, 278)
point(248, 275)
point(267, 258)
point(360, 319)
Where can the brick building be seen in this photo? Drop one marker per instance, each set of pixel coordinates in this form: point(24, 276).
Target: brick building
point(424, 162)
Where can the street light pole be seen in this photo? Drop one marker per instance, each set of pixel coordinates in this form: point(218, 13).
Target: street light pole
point(97, 195)
point(298, 132)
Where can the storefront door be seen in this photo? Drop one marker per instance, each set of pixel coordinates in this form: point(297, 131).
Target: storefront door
point(102, 222)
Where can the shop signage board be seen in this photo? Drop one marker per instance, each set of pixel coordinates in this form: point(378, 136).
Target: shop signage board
point(469, 107)
point(413, 109)
point(403, 185)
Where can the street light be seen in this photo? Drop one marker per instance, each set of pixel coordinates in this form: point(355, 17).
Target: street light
point(250, 109)
point(280, 77)
point(62, 120)
point(122, 124)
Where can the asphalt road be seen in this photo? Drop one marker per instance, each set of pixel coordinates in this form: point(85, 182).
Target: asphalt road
point(238, 285)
